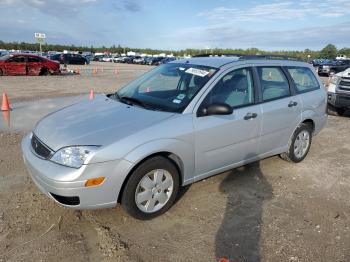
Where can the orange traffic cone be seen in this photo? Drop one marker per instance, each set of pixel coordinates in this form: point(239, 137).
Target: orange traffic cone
point(91, 94)
point(5, 103)
point(77, 70)
point(94, 71)
point(6, 117)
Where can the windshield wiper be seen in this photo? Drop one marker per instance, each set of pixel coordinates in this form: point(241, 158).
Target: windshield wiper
point(131, 101)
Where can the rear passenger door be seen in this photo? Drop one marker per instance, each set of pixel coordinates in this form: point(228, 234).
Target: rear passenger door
point(33, 65)
point(280, 106)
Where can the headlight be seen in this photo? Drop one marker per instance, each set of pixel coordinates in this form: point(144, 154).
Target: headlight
point(331, 88)
point(335, 80)
point(74, 156)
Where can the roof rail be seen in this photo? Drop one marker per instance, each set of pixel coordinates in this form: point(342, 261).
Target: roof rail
point(251, 57)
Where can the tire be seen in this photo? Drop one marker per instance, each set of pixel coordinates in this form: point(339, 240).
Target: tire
point(304, 131)
point(44, 72)
point(143, 193)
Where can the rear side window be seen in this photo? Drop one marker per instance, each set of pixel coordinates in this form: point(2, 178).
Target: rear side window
point(17, 59)
point(303, 79)
point(33, 59)
point(274, 83)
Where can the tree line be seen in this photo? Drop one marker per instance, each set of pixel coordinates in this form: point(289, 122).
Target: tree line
point(330, 51)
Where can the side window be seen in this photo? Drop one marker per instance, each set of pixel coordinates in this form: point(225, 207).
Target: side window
point(33, 59)
point(17, 59)
point(274, 83)
point(303, 79)
point(235, 89)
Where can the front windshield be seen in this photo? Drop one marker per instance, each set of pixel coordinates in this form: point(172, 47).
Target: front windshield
point(169, 87)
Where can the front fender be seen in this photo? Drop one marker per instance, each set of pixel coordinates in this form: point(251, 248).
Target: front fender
point(183, 150)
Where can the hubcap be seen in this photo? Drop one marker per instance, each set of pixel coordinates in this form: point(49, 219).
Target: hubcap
point(301, 144)
point(154, 190)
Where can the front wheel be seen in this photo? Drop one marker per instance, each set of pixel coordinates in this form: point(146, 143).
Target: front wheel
point(299, 145)
point(151, 189)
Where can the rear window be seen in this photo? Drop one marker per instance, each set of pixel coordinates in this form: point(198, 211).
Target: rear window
point(17, 59)
point(303, 79)
point(33, 59)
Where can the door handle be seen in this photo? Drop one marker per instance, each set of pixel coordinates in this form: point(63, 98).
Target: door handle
point(292, 103)
point(250, 116)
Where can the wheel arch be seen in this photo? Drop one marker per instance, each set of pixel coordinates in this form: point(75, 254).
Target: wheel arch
point(174, 158)
point(309, 122)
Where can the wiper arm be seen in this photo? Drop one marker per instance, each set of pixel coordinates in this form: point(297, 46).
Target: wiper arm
point(131, 101)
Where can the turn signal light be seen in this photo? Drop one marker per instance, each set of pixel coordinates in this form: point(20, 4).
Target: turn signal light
point(94, 181)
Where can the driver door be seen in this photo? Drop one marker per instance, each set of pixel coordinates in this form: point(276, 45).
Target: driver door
point(221, 141)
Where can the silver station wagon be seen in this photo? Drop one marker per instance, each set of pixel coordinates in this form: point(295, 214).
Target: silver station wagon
point(177, 124)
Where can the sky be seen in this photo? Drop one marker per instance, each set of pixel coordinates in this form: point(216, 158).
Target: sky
point(180, 24)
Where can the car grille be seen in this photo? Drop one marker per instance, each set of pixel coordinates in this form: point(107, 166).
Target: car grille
point(40, 148)
point(344, 85)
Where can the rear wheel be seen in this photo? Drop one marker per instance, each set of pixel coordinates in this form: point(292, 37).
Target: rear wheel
point(44, 72)
point(299, 145)
point(151, 189)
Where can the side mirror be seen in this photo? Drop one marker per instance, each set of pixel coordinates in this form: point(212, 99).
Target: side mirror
point(215, 109)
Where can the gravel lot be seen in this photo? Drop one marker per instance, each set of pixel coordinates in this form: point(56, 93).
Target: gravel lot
point(267, 211)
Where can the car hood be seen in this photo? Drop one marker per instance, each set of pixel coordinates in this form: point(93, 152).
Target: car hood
point(345, 73)
point(100, 121)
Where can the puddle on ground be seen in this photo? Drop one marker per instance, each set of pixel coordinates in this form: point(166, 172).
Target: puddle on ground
point(24, 115)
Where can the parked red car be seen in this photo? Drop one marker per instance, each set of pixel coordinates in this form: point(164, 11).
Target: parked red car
point(27, 64)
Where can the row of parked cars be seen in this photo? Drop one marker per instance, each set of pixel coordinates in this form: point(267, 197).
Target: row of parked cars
point(329, 67)
point(146, 60)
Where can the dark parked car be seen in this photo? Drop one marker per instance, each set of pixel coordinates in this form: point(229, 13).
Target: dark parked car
point(334, 67)
point(167, 60)
point(126, 59)
point(27, 64)
point(55, 57)
point(73, 59)
point(155, 60)
point(97, 58)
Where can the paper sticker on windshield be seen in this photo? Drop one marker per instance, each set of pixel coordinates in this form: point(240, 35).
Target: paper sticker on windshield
point(197, 72)
point(177, 101)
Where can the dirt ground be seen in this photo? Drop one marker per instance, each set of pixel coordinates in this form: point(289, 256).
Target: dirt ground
point(267, 211)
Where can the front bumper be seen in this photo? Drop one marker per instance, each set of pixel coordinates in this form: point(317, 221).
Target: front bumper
point(65, 185)
point(339, 100)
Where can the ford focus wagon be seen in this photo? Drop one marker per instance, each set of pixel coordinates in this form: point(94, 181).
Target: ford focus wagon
point(177, 124)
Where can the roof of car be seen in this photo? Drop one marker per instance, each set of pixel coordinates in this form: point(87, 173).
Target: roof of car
point(208, 61)
point(24, 54)
point(220, 61)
